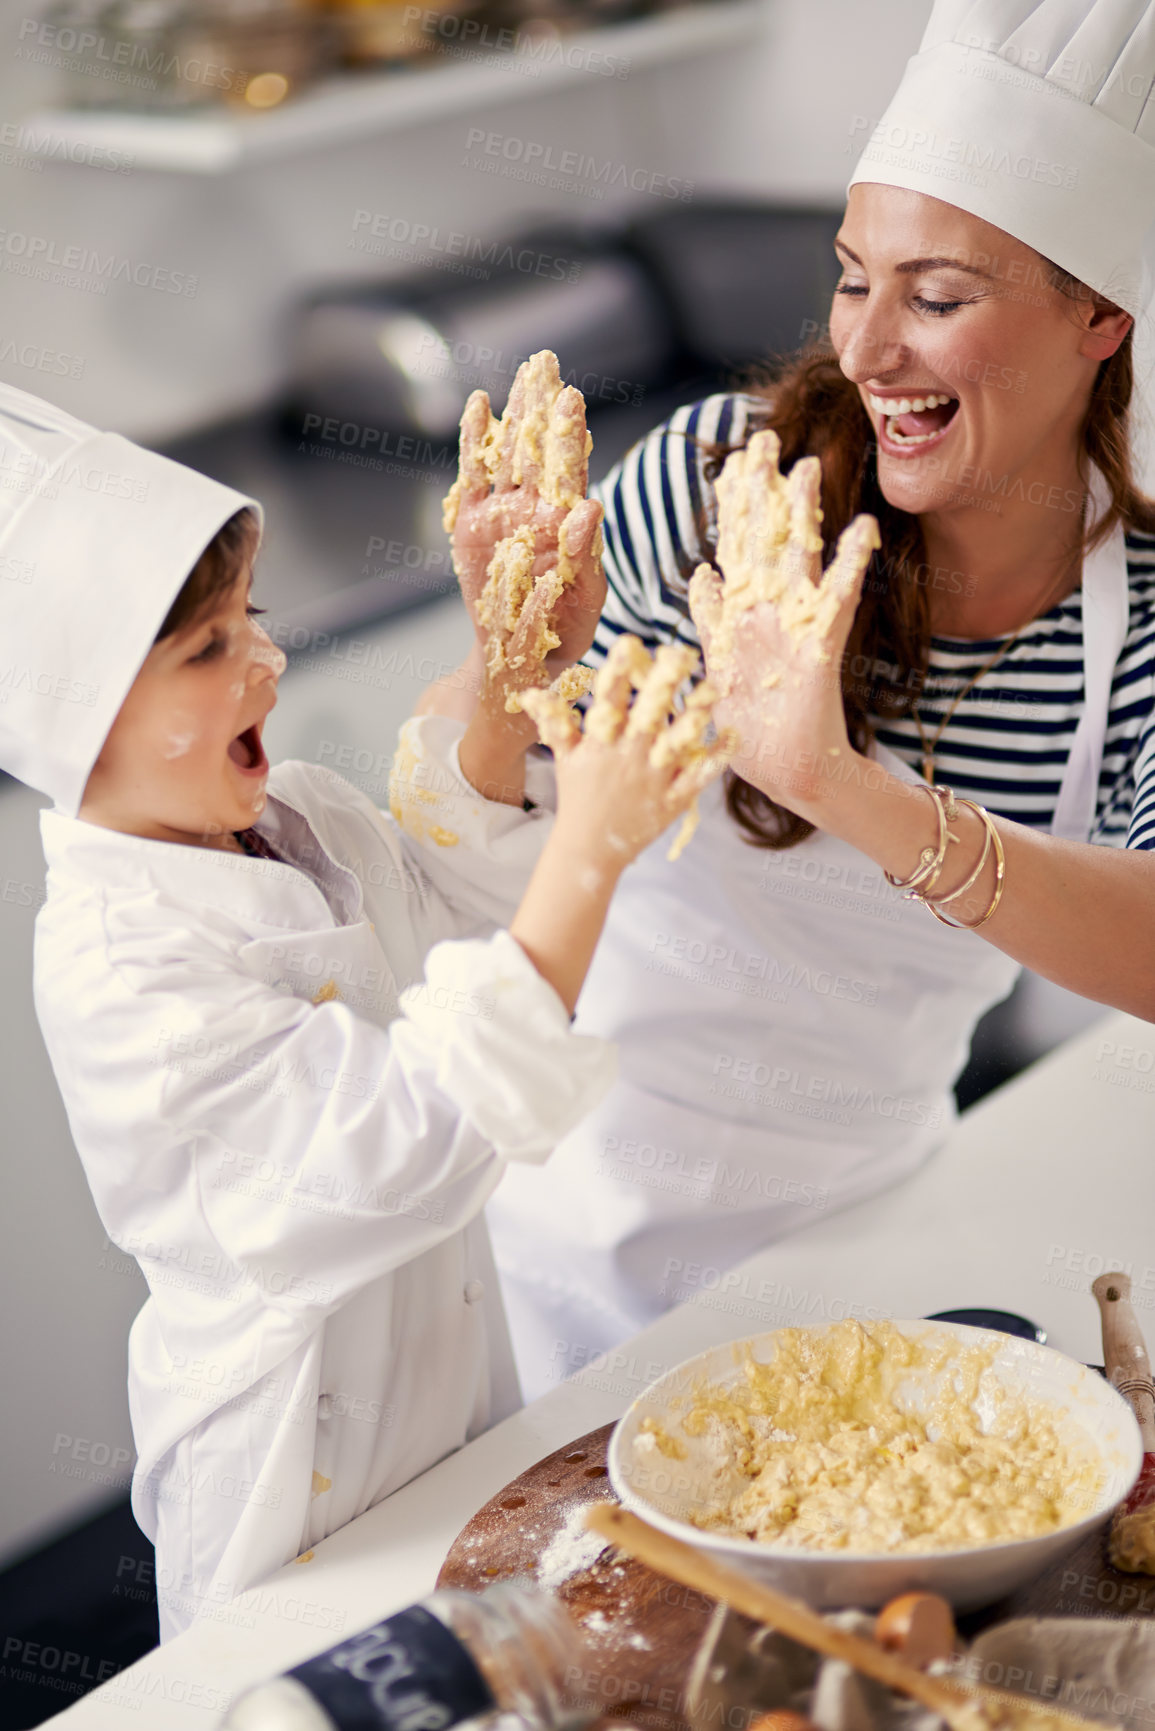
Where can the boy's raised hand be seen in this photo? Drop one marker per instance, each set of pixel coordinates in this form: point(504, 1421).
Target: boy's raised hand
point(526, 542)
point(636, 765)
point(621, 782)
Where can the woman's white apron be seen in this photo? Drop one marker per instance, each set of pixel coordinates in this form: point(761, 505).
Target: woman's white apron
point(790, 1028)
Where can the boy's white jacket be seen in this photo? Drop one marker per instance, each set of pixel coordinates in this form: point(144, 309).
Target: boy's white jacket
point(296, 1153)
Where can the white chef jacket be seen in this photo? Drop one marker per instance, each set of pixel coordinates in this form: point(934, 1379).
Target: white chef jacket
point(296, 1155)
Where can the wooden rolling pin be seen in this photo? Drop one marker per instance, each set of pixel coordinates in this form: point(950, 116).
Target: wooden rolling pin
point(965, 1708)
point(1131, 1543)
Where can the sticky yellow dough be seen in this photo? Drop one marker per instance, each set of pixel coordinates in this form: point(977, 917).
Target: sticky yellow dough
point(575, 682)
point(685, 833)
point(679, 742)
point(540, 443)
point(509, 583)
point(516, 649)
point(769, 543)
point(626, 669)
point(833, 1457)
point(409, 801)
point(545, 441)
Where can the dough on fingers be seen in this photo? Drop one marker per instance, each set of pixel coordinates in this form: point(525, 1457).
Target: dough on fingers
point(479, 448)
point(769, 549)
point(572, 535)
point(707, 762)
point(622, 672)
point(686, 735)
point(577, 681)
point(541, 444)
point(677, 737)
point(514, 608)
point(567, 446)
point(558, 725)
point(683, 745)
point(672, 665)
point(544, 443)
point(705, 599)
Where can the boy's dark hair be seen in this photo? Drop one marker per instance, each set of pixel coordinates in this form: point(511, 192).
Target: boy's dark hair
point(230, 552)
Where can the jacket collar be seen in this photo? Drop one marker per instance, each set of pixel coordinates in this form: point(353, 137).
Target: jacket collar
point(255, 892)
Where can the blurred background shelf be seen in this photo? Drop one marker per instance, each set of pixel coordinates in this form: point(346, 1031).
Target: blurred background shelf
point(354, 105)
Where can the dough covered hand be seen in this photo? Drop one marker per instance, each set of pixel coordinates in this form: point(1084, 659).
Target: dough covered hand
point(516, 609)
point(642, 758)
point(774, 626)
point(526, 541)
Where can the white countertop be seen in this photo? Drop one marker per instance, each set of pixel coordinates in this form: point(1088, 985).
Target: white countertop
point(1040, 1187)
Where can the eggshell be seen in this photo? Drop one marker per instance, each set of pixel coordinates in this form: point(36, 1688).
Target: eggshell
point(919, 1626)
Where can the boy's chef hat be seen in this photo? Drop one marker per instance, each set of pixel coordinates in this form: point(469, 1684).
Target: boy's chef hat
point(97, 536)
point(1039, 117)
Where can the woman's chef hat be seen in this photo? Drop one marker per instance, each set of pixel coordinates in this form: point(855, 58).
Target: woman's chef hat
point(97, 536)
point(1039, 117)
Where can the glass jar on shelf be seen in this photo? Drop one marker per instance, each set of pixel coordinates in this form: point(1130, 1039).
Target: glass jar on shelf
point(166, 56)
point(112, 52)
point(270, 49)
point(378, 33)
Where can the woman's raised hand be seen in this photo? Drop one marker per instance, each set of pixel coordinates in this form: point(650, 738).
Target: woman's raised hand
point(637, 765)
point(774, 627)
point(527, 543)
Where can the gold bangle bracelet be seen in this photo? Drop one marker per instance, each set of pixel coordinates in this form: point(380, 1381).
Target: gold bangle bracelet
point(1000, 875)
point(931, 860)
point(968, 883)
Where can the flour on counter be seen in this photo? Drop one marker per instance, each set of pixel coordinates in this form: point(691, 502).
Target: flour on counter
point(570, 1552)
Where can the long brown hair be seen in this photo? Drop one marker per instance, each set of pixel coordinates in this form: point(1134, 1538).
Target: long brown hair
point(816, 411)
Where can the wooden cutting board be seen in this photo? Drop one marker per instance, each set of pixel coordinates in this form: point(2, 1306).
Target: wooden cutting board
point(641, 1630)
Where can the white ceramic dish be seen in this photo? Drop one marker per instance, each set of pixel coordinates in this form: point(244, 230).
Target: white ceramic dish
point(664, 1491)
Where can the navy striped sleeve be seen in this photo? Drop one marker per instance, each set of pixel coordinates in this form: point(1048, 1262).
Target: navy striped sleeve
point(1142, 830)
point(652, 499)
point(1141, 563)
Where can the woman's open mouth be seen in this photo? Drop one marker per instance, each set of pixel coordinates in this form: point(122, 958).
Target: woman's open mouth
point(247, 752)
point(911, 425)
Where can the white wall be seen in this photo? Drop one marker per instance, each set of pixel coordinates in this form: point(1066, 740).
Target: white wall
point(789, 120)
point(775, 121)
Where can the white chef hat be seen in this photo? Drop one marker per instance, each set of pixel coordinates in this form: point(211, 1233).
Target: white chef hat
point(97, 537)
point(1039, 117)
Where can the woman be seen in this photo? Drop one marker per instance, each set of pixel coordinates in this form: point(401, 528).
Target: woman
point(790, 1024)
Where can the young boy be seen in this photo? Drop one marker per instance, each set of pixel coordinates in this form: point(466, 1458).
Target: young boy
point(291, 1097)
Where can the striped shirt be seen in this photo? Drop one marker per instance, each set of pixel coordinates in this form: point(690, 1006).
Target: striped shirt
point(1007, 743)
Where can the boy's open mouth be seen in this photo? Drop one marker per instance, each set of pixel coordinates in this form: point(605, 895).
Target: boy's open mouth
point(915, 420)
point(247, 752)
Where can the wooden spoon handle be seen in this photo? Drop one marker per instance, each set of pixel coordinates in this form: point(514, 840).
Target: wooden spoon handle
point(963, 1708)
point(1125, 1351)
point(681, 1562)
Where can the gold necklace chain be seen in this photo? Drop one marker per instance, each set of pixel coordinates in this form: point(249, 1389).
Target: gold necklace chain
point(929, 745)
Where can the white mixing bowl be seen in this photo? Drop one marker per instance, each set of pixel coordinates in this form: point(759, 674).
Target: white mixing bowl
point(666, 1492)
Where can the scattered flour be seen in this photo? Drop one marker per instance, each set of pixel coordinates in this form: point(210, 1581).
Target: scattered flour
point(573, 1550)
